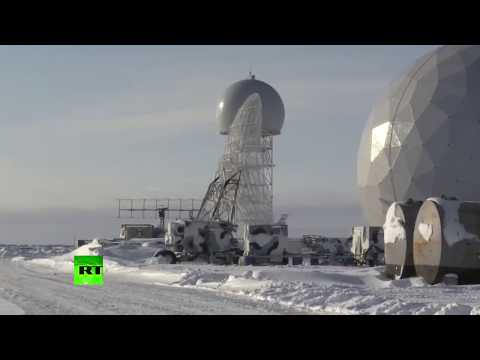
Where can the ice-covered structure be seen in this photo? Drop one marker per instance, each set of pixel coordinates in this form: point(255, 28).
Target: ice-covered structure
point(398, 239)
point(421, 140)
point(249, 153)
point(250, 114)
point(446, 240)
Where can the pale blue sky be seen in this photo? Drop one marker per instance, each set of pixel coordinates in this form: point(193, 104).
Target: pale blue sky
point(84, 125)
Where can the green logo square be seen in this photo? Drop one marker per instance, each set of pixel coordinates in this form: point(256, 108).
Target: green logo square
point(88, 270)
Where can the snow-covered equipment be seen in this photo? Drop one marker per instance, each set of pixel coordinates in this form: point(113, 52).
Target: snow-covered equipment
point(175, 233)
point(325, 245)
point(93, 248)
point(136, 231)
point(398, 238)
point(265, 243)
point(327, 250)
point(446, 240)
point(367, 245)
point(165, 256)
point(213, 241)
point(250, 114)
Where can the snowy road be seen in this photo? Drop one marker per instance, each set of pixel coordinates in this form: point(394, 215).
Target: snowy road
point(48, 292)
point(137, 284)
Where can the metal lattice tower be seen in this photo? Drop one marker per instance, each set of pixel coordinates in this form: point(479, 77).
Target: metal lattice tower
point(219, 203)
point(243, 184)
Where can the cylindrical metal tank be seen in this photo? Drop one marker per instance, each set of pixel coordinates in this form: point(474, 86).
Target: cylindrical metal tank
point(422, 138)
point(446, 240)
point(398, 237)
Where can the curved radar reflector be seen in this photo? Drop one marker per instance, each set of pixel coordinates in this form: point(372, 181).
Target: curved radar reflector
point(248, 153)
point(252, 155)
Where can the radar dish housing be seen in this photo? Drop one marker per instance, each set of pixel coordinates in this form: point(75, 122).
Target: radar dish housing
point(422, 139)
point(273, 110)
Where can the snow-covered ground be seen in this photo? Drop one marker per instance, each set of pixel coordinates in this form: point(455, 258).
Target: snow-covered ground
point(33, 251)
point(131, 279)
point(7, 308)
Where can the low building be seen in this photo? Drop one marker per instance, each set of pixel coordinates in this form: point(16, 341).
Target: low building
point(137, 231)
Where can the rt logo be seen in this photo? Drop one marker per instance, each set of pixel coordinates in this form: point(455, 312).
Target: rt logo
point(88, 270)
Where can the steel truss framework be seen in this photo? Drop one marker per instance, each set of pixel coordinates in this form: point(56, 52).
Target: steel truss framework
point(168, 209)
point(242, 191)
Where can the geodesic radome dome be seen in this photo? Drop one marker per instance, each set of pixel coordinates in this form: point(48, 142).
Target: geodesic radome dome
point(273, 110)
point(423, 138)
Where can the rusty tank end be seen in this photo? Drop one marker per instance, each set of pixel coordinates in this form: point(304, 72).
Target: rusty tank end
point(446, 240)
point(398, 236)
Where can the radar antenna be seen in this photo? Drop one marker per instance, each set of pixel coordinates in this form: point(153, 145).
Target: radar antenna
point(250, 73)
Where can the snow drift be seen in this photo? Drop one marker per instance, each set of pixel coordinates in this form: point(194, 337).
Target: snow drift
point(333, 289)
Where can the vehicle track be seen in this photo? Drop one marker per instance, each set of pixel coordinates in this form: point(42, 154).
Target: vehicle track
point(44, 291)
